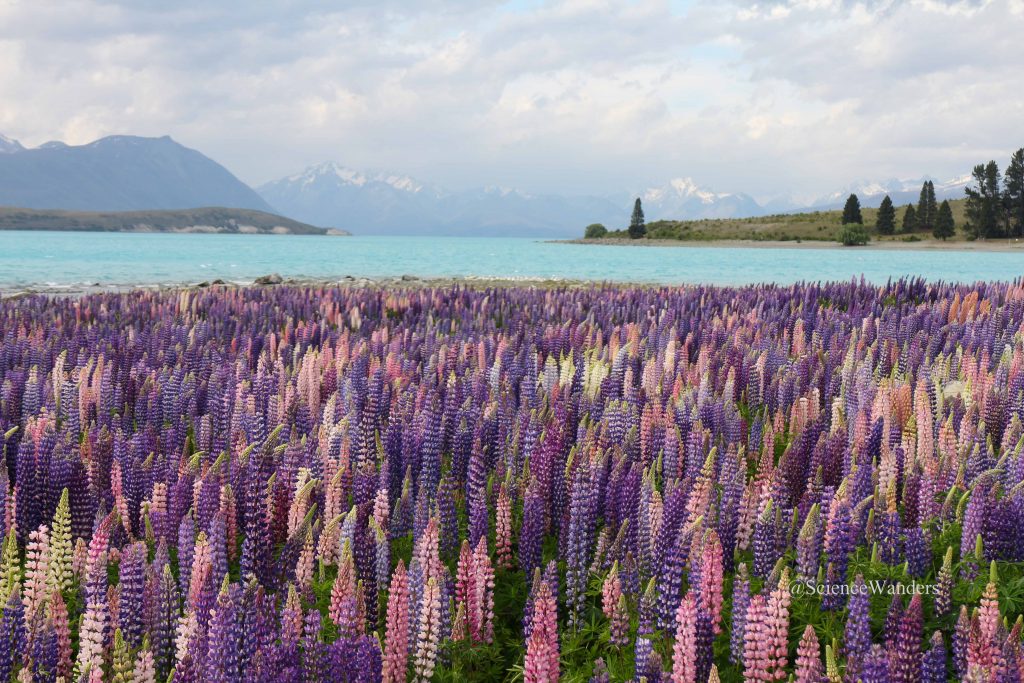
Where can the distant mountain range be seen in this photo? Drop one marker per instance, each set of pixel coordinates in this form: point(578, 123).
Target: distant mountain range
point(871, 193)
point(385, 203)
point(127, 173)
point(118, 173)
point(390, 203)
point(683, 198)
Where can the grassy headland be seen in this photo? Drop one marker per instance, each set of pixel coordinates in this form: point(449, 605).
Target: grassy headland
point(202, 220)
point(812, 226)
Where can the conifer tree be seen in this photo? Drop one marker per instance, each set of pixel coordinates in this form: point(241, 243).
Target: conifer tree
point(926, 207)
point(909, 219)
point(944, 225)
point(885, 224)
point(984, 203)
point(933, 207)
point(1014, 193)
point(851, 212)
point(636, 223)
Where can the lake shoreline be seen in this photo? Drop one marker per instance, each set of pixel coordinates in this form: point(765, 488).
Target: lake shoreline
point(876, 245)
point(347, 282)
point(394, 283)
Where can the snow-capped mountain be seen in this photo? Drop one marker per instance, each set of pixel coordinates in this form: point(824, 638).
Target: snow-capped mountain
point(682, 198)
point(9, 146)
point(332, 173)
point(334, 195)
point(384, 203)
point(954, 188)
point(871, 193)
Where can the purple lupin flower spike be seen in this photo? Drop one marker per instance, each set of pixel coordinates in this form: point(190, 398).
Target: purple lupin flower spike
point(961, 641)
point(12, 635)
point(975, 515)
point(833, 597)
point(888, 534)
point(933, 667)
point(740, 604)
point(165, 621)
point(808, 547)
point(766, 550)
point(314, 652)
point(581, 521)
point(906, 656)
point(917, 552)
point(646, 625)
point(133, 562)
point(44, 651)
point(531, 535)
point(893, 619)
point(876, 666)
point(857, 640)
point(186, 548)
point(223, 641)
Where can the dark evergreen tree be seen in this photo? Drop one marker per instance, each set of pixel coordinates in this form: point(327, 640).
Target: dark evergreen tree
point(885, 224)
point(984, 203)
point(636, 223)
point(933, 207)
point(926, 207)
point(909, 219)
point(1014, 194)
point(851, 212)
point(944, 225)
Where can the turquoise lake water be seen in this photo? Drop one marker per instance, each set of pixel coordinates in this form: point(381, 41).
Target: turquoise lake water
point(59, 259)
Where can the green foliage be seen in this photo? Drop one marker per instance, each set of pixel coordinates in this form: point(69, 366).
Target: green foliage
point(1014, 194)
point(885, 223)
point(811, 226)
point(945, 227)
point(595, 231)
point(926, 209)
point(854, 236)
point(636, 222)
point(851, 212)
point(500, 659)
point(984, 199)
point(909, 219)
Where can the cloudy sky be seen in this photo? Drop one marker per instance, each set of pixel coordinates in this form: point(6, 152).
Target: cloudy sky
point(582, 96)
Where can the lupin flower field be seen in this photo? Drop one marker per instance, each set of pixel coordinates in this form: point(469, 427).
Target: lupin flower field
point(814, 482)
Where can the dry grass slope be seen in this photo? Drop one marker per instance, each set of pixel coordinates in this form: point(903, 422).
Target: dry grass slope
point(811, 226)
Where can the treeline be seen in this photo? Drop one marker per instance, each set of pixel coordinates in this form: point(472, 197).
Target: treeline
point(994, 208)
point(995, 203)
point(928, 215)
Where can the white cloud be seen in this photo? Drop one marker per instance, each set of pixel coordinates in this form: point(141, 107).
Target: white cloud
point(566, 95)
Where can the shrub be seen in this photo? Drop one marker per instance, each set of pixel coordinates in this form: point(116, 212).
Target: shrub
point(854, 235)
point(595, 231)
